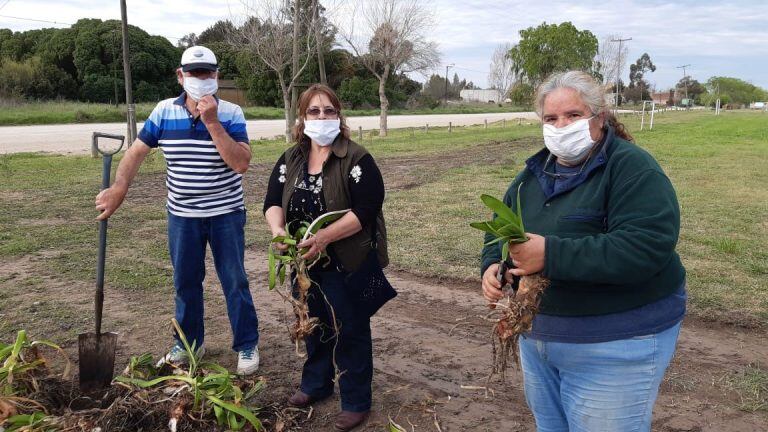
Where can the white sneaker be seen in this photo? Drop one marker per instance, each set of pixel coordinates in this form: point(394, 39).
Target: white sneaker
point(248, 361)
point(178, 356)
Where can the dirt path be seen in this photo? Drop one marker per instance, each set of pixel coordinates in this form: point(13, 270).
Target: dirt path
point(428, 343)
point(431, 345)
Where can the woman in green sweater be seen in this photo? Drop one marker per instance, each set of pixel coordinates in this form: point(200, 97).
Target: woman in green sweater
point(603, 222)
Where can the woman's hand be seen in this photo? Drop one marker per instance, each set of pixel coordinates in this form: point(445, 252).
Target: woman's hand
point(316, 244)
point(491, 285)
point(528, 257)
point(282, 247)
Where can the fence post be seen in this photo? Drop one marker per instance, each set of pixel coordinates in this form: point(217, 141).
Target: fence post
point(413, 131)
point(503, 123)
point(486, 123)
point(450, 127)
point(519, 121)
point(360, 133)
point(426, 128)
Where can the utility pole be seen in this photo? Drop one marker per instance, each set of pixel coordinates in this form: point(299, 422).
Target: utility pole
point(618, 71)
point(445, 93)
point(685, 81)
point(128, 83)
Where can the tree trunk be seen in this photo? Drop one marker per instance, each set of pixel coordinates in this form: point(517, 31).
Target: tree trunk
point(384, 102)
point(289, 115)
point(319, 39)
point(291, 103)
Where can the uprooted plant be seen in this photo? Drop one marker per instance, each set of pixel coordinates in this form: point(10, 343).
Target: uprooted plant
point(513, 314)
point(292, 261)
point(204, 391)
point(23, 376)
point(205, 397)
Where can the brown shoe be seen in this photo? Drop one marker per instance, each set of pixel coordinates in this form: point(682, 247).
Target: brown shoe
point(300, 399)
point(348, 420)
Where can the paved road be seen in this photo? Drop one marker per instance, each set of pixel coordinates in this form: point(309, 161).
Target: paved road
point(76, 138)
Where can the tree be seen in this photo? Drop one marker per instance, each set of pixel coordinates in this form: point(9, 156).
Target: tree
point(275, 32)
point(737, 91)
point(501, 76)
point(637, 85)
point(551, 48)
point(85, 61)
point(689, 88)
point(608, 60)
point(187, 41)
point(391, 39)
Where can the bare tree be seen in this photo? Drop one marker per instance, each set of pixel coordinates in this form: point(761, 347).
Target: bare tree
point(502, 77)
point(276, 32)
point(390, 37)
point(607, 59)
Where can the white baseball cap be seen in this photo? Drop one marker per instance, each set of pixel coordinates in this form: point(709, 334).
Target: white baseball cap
point(198, 57)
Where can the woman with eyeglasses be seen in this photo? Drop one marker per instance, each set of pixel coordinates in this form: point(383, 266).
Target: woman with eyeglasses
point(603, 221)
point(326, 171)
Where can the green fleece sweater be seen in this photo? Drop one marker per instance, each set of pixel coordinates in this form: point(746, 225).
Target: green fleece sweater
point(610, 236)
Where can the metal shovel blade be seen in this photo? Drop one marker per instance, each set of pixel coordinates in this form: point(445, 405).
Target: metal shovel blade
point(97, 360)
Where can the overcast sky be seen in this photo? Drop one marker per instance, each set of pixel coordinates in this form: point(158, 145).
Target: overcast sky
point(716, 37)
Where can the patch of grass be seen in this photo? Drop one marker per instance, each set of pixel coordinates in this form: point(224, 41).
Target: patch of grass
point(751, 383)
point(715, 163)
point(65, 112)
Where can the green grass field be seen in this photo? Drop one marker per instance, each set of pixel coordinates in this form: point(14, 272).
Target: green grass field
point(34, 113)
point(717, 165)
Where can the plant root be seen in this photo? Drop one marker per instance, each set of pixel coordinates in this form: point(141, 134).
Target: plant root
point(513, 316)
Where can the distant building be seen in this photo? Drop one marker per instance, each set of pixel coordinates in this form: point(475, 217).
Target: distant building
point(758, 105)
point(229, 91)
point(484, 96)
point(661, 98)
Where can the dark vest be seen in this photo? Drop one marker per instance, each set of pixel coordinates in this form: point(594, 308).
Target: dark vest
point(345, 154)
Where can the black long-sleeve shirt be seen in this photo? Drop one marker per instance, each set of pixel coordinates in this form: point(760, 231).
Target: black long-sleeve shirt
point(366, 188)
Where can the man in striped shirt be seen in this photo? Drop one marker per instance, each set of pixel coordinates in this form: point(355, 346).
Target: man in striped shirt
point(206, 149)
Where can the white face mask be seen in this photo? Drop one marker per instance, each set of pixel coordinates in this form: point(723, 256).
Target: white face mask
point(571, 143)
point(322, 132)
point(196, 88)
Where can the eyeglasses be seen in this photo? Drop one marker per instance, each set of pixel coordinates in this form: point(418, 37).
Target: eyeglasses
point(329, 111)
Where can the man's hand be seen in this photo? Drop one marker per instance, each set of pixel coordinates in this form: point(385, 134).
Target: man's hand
point(528, 257)
point(108, 200)
point(208, 109)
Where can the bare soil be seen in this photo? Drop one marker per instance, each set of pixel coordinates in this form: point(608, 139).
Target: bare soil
point(432, 350)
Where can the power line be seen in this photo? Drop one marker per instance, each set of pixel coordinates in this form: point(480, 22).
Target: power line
point(61, 23)
point(36, 20)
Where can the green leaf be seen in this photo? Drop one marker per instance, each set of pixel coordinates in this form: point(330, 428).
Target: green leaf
point(485, 226)
point(271, 267)
point(520, 209)
point(498, 207)
point(243, 412)
point(323, 220)
point(281, 275)
point(496, 240)
point(505, 251)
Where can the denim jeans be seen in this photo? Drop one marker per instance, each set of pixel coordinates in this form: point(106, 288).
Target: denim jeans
point(608, 386)
point(187, 240)
point(354, 351)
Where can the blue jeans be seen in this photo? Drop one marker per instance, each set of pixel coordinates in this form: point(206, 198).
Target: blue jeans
point(187, 240)
point(354, 351)
point(591, 387)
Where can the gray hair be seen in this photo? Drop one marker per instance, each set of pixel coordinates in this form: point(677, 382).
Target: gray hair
point(592, 94)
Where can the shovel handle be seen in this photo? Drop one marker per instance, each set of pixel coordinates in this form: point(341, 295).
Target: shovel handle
point(99, 299)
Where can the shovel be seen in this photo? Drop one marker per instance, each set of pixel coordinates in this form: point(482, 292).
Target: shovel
point(96, 351)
